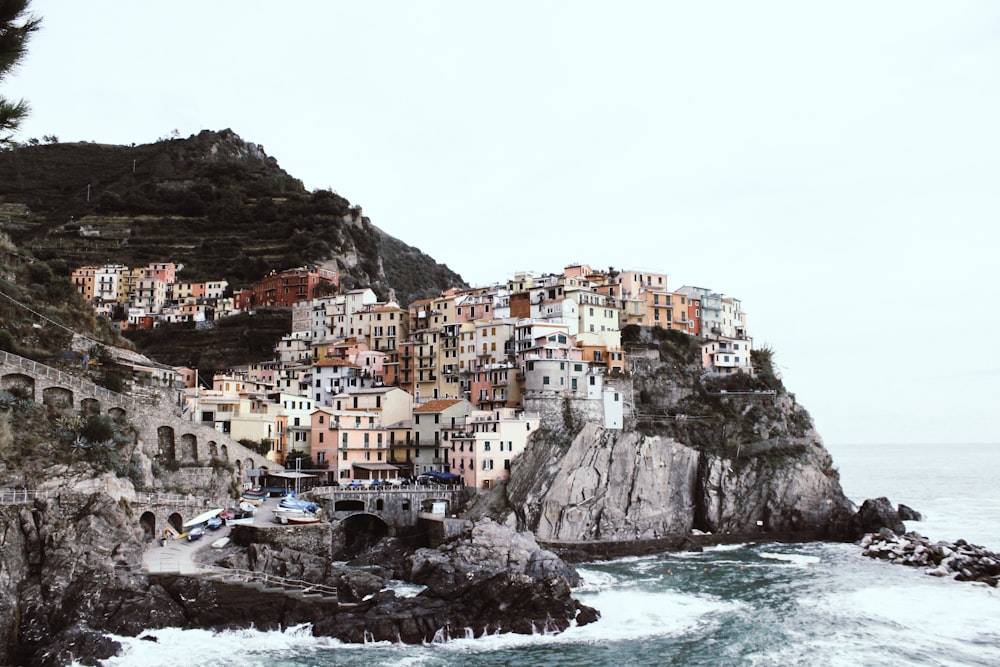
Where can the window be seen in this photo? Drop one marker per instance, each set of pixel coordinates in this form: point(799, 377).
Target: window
point(321, 436)
point(321, 419)
point(343, 456)
point(545, 380)
point(486, 446)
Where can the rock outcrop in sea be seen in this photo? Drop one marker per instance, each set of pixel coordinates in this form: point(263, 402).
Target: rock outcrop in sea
point(960, 560)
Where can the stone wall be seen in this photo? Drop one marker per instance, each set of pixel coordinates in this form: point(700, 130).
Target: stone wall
point(316, 538)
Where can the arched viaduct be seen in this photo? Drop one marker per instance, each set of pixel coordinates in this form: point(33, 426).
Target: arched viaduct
point(162, 434)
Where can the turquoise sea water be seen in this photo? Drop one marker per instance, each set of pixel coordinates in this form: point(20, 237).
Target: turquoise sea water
point(755, 604)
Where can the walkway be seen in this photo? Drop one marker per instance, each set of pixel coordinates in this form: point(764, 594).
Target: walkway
point(178, 556)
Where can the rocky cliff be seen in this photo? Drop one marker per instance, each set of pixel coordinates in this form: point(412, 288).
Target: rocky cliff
point(735, 455)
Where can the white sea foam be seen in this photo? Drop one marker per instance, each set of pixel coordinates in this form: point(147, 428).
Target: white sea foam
point(173, 647)
point(595, 580)
point(801, 560)
point(725, 547)
point(404, 589)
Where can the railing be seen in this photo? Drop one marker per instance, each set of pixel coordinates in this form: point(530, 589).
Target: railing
point(177, 499)
point(49, 373)
point(270, 580)
point(23, 496)
point(433, 487)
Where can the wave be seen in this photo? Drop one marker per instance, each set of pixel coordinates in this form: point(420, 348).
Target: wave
point(794, 559)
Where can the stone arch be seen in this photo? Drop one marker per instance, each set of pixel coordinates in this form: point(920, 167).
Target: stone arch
point(189, 446)
point(213, 449)
point(118, 415)
point(225, 453)
point(379, 504)
point(20, 385)
point(176, 522)
point(148, 524)
point(165, 439)
point(349, 506)
point(90, 406)
point(362, 531)
point(249, 464)
point(239, 466)
point(58, 399)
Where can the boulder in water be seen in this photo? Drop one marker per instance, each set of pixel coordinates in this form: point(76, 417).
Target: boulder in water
point(908, 513)
point(875, 514)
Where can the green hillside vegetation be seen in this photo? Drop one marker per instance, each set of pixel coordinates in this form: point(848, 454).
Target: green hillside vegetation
point(213, 202)
point(40, 309)
point(234, 341)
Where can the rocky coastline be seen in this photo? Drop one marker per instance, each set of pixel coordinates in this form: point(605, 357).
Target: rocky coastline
point(740, 467)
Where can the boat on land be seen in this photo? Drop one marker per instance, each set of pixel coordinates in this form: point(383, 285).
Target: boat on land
point(238, 516)
point(289, 501)
point(219, 543)
point(196, 527)
point(214, 523)
point(287, 515)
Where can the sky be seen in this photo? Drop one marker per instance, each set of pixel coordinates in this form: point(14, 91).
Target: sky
point(835, 166)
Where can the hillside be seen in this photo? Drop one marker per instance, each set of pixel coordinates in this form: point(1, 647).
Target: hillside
point(213, 202)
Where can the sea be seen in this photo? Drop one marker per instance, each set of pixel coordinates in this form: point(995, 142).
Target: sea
point(756, 604)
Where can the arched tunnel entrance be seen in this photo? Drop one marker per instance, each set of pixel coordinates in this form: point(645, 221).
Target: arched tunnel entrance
point(148, 524)
point(361, 532)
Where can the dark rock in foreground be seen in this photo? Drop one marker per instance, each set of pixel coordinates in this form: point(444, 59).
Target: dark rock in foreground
point(909, 514)
point(960, 560)
point(876, 514)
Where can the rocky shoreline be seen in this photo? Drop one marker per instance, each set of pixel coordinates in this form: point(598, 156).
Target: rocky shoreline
point(959, 560)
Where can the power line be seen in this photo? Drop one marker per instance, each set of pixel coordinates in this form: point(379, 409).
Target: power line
point(51, 321)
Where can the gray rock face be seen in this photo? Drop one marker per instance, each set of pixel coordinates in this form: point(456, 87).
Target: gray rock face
point(615, 485)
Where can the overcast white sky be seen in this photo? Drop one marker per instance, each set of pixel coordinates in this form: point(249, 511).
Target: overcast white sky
point(836, 167)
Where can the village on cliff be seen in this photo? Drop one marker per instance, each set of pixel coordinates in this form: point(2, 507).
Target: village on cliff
point(362, 389)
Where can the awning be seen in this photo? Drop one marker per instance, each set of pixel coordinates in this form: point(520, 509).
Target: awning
point(375, 466)
point(287, 474)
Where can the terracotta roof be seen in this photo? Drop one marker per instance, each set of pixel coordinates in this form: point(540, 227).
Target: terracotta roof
point(437, 405)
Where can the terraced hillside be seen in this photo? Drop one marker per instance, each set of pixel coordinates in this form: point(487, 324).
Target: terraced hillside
point(213, 202)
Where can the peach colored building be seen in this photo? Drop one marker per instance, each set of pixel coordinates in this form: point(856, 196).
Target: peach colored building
point(482, 446)
point(357, 433)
